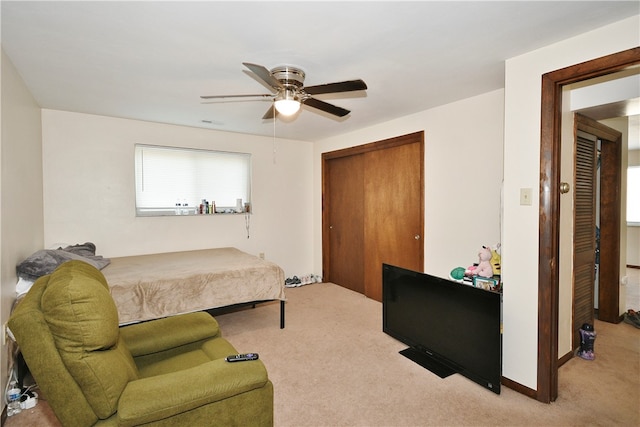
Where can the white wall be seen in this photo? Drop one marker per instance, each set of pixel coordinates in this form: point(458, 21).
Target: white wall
point(21, 223)
point(522, 170)
point(463, 176)
point(89, 192)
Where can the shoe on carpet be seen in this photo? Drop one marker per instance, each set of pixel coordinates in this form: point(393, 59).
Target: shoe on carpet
point(632, 317)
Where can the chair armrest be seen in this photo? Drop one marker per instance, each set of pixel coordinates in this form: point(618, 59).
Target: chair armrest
point(170, 332)
point(163, 396)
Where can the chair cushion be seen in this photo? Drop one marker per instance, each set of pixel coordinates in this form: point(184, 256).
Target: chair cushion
point(83, 320)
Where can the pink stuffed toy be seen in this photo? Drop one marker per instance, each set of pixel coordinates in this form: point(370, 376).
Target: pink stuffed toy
point(484, 268)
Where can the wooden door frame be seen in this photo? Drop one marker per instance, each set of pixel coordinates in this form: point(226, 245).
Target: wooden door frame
point(361, 149)
point(548, 268)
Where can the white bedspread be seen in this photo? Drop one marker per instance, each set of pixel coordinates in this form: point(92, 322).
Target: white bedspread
point(148, 287)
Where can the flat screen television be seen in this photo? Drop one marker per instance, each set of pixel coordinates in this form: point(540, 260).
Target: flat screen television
point(449, 327)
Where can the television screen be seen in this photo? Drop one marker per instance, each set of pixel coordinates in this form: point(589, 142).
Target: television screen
point(454, 325)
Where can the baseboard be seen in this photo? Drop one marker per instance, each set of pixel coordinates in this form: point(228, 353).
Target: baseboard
point(519, 388)
point(564, 359)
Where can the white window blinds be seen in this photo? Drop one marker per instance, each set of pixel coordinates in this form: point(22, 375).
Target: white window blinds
point(168, 176)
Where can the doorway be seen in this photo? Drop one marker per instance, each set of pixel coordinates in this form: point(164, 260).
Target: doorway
point(597, 148)
point(373, 211)
point(552, 84)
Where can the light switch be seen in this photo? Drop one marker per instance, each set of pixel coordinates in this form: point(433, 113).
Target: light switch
point(525, 196)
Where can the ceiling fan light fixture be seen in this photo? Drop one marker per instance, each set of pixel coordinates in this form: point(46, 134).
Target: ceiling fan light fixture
point(287, 104)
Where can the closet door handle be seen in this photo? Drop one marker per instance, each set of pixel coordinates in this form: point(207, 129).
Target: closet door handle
point(417, 237)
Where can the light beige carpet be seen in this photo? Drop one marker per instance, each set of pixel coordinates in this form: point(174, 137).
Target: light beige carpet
point(333, 366)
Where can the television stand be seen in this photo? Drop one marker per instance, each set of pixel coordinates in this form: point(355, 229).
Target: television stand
point(427, 362)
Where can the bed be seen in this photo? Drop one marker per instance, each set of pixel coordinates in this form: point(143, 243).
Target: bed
point(147, 287)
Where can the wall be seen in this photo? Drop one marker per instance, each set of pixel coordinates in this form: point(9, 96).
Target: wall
point(520, 229)
point(21, 222)
point(89, 191)
point(463, 176)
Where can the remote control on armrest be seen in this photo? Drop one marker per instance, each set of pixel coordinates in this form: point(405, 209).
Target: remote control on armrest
point(242, 357)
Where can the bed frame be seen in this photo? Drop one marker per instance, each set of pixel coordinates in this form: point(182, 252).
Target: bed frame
point(230, 308)
point(146, 287)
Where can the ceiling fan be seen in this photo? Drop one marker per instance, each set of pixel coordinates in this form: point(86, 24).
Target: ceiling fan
point(288, 91)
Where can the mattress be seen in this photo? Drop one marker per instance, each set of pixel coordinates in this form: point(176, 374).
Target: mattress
point(146, 287)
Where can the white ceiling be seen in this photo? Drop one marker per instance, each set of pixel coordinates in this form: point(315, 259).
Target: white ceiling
point(611, 96)
point(152, 60)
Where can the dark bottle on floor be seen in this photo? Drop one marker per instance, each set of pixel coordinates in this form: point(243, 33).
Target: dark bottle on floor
point(587, 340)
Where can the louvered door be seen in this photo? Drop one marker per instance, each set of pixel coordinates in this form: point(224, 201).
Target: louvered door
point(584, 232)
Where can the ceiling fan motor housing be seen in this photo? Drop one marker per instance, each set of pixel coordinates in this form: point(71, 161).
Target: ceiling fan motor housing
point(289, 76)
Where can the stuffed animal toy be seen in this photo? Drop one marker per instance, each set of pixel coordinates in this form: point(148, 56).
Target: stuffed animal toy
point(495, 260)
point(457, 274)
point(484, 268)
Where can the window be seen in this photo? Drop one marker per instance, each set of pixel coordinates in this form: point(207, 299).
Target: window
point(175, 181)
point(633, 195)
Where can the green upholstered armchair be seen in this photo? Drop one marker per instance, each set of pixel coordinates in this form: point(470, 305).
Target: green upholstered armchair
point(165, 372)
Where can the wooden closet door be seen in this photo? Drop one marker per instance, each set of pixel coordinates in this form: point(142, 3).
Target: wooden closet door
point(345, 206)
point(373, 211)
point(393, 212)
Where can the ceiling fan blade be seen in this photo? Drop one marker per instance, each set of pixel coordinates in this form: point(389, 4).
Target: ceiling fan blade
point(326, 107)
point(264, 75)
point(346, 86)
point(262, 95)
point(271, 113)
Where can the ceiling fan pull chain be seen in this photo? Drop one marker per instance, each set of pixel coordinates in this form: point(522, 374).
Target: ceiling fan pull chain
point(274, 141)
